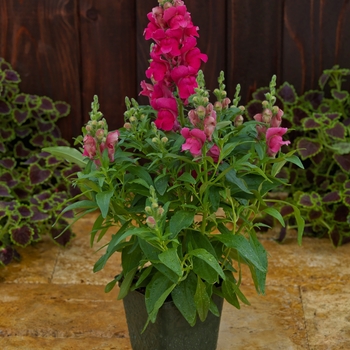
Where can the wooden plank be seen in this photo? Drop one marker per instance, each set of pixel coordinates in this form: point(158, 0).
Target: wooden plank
point(41, 41)
point(210, 19)
point(253, 42)
point(108, 51)
point(316, 37)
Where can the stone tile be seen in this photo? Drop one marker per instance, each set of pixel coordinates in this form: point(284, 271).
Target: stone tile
point(36, 343)
point(75, 263)
point(36, 266)
point(327, 314)
point(38, 310)
point(316, 260)
point(274, 321)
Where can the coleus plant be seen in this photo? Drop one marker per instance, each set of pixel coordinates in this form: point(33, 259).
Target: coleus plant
point(33, 184)
point(319, 121)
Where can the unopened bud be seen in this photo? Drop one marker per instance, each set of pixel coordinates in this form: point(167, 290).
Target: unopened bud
point(164, 139)
point(100, 133)
point(148, 209)
point(154, 205)
point(242, 108)
point(155, 140)
point(201, 111)
point(225, 102)
point(218, 106)
point(264, 104)
point(266, 116)
point(275, 109)
point(151, 222)
point(238, 120)
point(143, 116)
point(101, 123)
point(133, 119)
point(88, 128)
point(160, 211)
point(127, 126)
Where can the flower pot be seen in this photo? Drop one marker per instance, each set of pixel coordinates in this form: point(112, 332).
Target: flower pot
point(171, 331)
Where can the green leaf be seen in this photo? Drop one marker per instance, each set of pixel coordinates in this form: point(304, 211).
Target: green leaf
point(171, 259)
point(125, 286)
point(229, 293)
point(70, 154)
point(180, 221)
point(275, 213)
point(242, 245)
point(103, 199)
point(110, 286)
point(276, 168)
point(187, 177)
point(141, 173)
point(183, 298)
point(295, 160)
point(209, 259)
point(201, 300)
point(80, 205)
point(161, 183)
point(156, 293)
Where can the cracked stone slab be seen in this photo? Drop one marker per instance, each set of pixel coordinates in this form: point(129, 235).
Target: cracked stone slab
point(327, 314)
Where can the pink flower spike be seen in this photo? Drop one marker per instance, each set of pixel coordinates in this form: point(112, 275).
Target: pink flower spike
point(89, 146)
point(111, 140)
point(274, 140)
point(276, 119)
point(214, 153)
point(194, 141)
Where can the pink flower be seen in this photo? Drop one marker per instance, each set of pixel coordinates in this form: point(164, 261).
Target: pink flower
point(261, 129)
point(111, 140)
point(274, 140)
point(147, 89)
point(191, 55)
point(276, 119)
point(214, 152)
point(193, 117)
point(89, 146)
point(195, 139)
point(167, 112)
point(185, 79)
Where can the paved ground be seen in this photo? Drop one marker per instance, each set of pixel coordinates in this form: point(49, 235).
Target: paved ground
point(52, 300)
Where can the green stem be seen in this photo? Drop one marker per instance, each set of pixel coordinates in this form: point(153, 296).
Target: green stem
point(181, 112)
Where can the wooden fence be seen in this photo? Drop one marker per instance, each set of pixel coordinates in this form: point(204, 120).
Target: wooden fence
point(72, 49)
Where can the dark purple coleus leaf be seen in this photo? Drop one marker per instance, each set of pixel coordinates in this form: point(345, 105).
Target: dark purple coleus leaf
point(298, 115)
point(310, 123)
point(6, 134)
point(52, 161)
point(44, 127)
point(340, 95)
point(22, 235)
point(61, 238)
point(12, 76)
point(6, 255)
point(337, 131)
point(2, 147)
point(20, 99)
point(254, 107)
point(67, 215)
point(43, 196)
point(56, 132)
point(23, 132)
point(8, 178)
point(324, 108)
point(38, 214)
point(323, 80)
point(341, 213)
point(46, 104)
point(332, 116)
point(308, 148)
point(24, 211)
point(305, 200)
point(347, 184)
point(37, 174)
point(62, 108)
point(21, 193)
point(341, 178)
point(7, 163)
point(33, 101)
point(318, 158)
point(20, 116)
point(287, 210)
point(31, 160)
point(59, 142)
point(315, 214)
point(38, 140)
point(332, 197)
point(314, 97)
point(20, 151)
point(4, 107)
point(343, 160)
point(4, 191)
point(287, 93)
point(259, 94)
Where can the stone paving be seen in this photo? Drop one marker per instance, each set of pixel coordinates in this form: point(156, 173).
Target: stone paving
point(52, 300)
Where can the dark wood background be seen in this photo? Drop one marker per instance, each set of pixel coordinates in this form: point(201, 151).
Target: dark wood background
point(72, 49)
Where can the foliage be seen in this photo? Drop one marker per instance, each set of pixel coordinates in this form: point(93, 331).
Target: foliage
point(320, 121)
point(33, 184)
point(182, 181)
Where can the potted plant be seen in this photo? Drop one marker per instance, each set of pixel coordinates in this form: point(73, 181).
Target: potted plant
point(181, 183)
point(320, 122)
point(33, 184)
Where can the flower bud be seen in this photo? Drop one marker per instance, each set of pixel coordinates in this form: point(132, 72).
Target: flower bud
point(266, 116)
point(201, 111)
point(160, 211)
point(164, 139)
point(225, 103)
point(218, 106)
point(238, 120)
point(102, 123)
point(100, 133)
point(155, 140)
point(127, 126)
point(88, 128)
point(148, 209)
point(265, 104)
point(242, 108)
point(154, 205)
point(275, 109)
point(133, 119)
point(151, 222)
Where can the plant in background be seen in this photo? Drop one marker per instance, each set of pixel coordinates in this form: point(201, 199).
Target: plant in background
point(33, 184)
point(320, 121)
point(182, 181)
